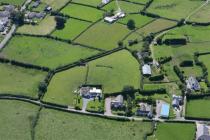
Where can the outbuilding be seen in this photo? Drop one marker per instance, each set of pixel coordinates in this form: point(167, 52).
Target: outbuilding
point(165, 108)
point(146, 70)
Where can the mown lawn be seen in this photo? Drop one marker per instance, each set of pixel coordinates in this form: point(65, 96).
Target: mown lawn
point(44, 52)
point(72, 29)
point(56, 125)
point(198, 108)
point(13, 2)
point(114, 72)
point(88, 2)
point(62, 87)
point(125, 6)
point(174, 131)
point(46, 26)
point(20, 81)
point(104, 36)
point(83, 12)
point(16, 119)
point(175, 9)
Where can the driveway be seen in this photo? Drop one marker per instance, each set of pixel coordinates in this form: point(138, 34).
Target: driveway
point(108, 110)
point(84, 104)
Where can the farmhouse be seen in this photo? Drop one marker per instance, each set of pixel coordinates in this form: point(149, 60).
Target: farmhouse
point(176, 102)
point(146, 70)
point(32, 15)
point(117, 102)
point(90, 92)
point(192, 83)
point(144, 110)
point(165, 110)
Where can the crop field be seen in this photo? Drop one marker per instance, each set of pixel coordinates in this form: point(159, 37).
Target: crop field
point(46, 52)
point(175, 9)
point(16, 80)
point(14, 2)
point(46, 26)
point(17, 119)
point(170, 131)
point(103, 35)
point(62, 87)
point(87, 2)
point(85, 127)
point(126, 6)
point(82, 12)
point(199, 108)
point(113, 72)
point(73, 28)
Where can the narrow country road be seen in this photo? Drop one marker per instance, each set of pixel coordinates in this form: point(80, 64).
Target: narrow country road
point(13, 28)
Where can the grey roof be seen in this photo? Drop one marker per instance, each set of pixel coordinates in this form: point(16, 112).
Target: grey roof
point(118, 99)
point(146, 69)
point(9, 8)
point(4, 21)
point(4, 14)
point(1, 28)
point(204, 137)
point(36, 4)
point(192, 83)
point(32, 15)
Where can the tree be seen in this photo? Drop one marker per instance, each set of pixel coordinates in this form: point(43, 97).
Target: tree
point(17, 18)
point(60, 22)
point(131, 24)
point(129, 106)
point(42, 87)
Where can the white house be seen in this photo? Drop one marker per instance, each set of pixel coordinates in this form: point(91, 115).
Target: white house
point(192, 83)
point(90, 92)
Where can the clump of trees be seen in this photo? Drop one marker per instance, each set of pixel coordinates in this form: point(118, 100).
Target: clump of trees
point(60, 22)
point(17, 18)
point(131, 24)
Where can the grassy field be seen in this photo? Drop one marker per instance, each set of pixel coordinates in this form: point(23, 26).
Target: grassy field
point(87, 2)
point(46, 52)
point(13, 2)
point(87, 128)
point(82, 12)
point(201, 15)
point(194, 108)
point(205, 60)
point(139, 1)
point(103, 35)
point(56, 4)
point(139, 20)
point(175, 9)
point(62, 87)
point(174, 131)
point(114, 72)
point(72, 29)
point(16, 80)
point(16, 119)
point(125, 6)
point(46, 26)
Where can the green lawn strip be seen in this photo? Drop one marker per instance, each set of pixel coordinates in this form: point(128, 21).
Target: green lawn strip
point(46, 26)
point(17, 119)
point(44, 52)
point(139, 1)
point(62, 86)
point(73, 28)
point(82, 127)
point(82, 12)
point(13, 2)
point(205, 60)
point(103, 35)
point(174, 131)
point(114, 72)
point(20, 81)
point(88, 2)
point(95, 106)
point(125, 6)
point(198, 108)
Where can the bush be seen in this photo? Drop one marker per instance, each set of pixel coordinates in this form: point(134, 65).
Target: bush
point(60, 22)
point(131, 24)
point(157, 78)
point(186, 63)
point(179, 73)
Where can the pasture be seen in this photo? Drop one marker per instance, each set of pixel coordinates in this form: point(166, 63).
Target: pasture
point(20, 81)
point(87, 127)
point(56, 4)
point(17, 119)
point(114, 72)
point(104, 36)
point(62, 87)
point(174, 131)
point(46, 52)
point(87, 2)
point(194, 110)
point(205, 60)
point(82, 12)
point(13, 2)
point(73, 28)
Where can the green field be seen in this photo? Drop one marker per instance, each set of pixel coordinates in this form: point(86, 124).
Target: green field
point(72, 29)
point(205, 60)
point(62, 87)
point(46, 26)
point(114, 72)
point(56, 4)
point(88, 2)
point(201, 15)
point(174, 131)
point(125, 6)
point(54, 125)
point(82, 12)
point(199, 108)
point(13, 2)
point(175, 9)
point(46, 52)
point(104, 36)
point(20, 81)
point(16, 119)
